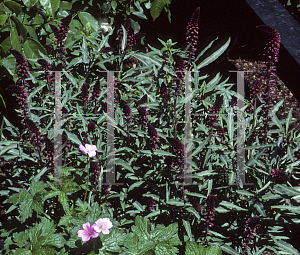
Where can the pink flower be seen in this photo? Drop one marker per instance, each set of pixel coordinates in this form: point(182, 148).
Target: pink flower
point(88, 149)
point(102, 225)
point(87, 232)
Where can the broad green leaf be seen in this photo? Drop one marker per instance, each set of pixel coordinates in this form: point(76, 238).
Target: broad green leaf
point(50, 5)
point(286, 247)
point(86, 17)
point(29, 3)
point(213, 250)
point(288, 121)
point(15, 39)
point(32, 48)
point(14, 7)
point(3, 18)
point(20, 27)
point(156, 8)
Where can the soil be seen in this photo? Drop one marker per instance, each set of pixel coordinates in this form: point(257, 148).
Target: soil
point(280, 90)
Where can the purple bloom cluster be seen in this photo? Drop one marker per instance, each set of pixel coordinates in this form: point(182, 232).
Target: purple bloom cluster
point(256, 88)
point(128, 113)
point(178, 148)
point(210, 214)
point(131, 38)
point(85, 92)
point(273, 44)
point(169, 161)
point(50, 76)
point(180, 67)
point(65, 111)
point(61, 34)
point(150, 203)
point(143, 118)
point(49, 150)
point(91, 127)
point(103, 106)
point(279, 175)
point(22, 67)
point(153, 140)
point(36, 138)
point(21, 99)
point(96, 90)
point(65, 140)
point(165, 93)
point(192, 33)
point(197, 207)
point(215, 109)
point(252, 226)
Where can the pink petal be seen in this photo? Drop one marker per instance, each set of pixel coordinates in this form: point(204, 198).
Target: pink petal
point(82, 149)
point(92, 154)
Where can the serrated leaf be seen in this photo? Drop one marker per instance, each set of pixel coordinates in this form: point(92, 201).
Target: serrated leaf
point(229, 250)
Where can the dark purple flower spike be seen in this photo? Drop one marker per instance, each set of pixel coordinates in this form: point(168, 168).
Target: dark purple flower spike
point(192, 33)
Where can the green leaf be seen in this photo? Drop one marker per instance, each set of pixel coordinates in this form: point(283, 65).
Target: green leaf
point(276, 120)
point(50, 5)
point(20, 27)
point(32, 48)
point(288, 121)
point(232, 206)
point(214, 56)
point(15, 39)
point(86, 17)
point(14, 7)
point(29, 3)
point(3, 18)
point(141, 227)
point(123, 163)
point(156, 8)
point(124, 38)
point(213, 250)
point(187, 227)
point(286, 247)
point(229, 250)
point(192, 248)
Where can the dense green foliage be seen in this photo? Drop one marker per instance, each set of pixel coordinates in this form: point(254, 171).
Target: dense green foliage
point(154, 211)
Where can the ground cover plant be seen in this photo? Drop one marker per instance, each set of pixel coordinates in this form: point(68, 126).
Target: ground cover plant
point(76, 208)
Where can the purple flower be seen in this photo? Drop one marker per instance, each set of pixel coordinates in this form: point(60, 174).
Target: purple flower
point(210, 208)
point(36, 138)
point(88, 149)
point(22, 66)
point(150, 203)
point(87, 232)
point(49, 149)
point(197, 207)
point(256, 88)
point(279, 175)
point(91, 127)
point(103, 225)
point(273, 44)
point(252, 225)
point(165, 93)
point(103, 106)
point(153, 140)
point(128, 113)
point(169, 161)
point(143, 116)
point(85, 92)
point(96, 90)
point(61, 34)
point(192, 32)
point(215, 110)
point(21, 98)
